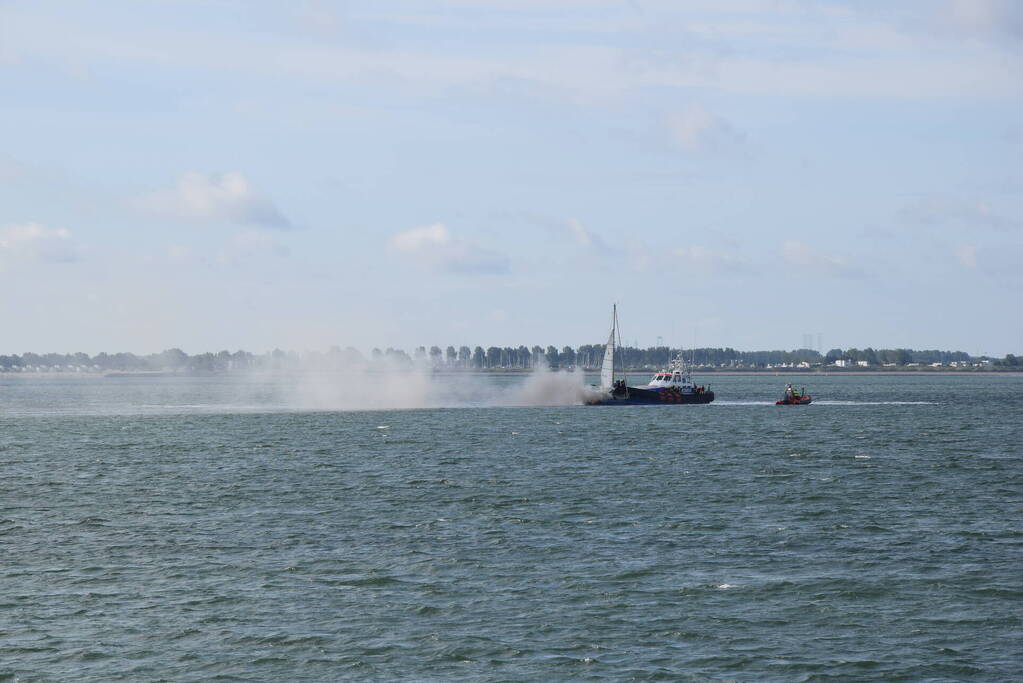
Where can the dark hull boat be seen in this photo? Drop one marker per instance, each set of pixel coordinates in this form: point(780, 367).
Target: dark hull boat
point(632, 396)
point(672, 386)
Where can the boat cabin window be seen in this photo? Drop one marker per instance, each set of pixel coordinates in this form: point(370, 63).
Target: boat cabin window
point(678, 378)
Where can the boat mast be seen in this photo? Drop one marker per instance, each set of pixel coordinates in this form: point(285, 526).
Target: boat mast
point(615, 337)
point(618, 343)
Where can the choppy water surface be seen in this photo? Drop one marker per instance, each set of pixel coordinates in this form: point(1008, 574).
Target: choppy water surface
point(184, 529)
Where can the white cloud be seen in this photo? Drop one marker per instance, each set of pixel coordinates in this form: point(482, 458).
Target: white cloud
point(255, 240)
point(254, 243)
point(697, 130)
point(497, 315)
point(179, 254)
point(419, 239)
point(589, 71)
point(967, 255)
point(35, 242)
point(579, 232)
point(804, 257)
point(435, 247)
point(11, 170)
point(693, 258)
point(970, 214)
point(320, 19)
point(240, 248)
point(216, 197)
point(587, 239)
point(984, 18)
point(708, 260)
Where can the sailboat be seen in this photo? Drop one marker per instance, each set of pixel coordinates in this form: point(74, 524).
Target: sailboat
point(672, 385)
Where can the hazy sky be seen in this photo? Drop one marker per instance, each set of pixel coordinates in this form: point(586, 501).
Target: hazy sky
point(246, 174)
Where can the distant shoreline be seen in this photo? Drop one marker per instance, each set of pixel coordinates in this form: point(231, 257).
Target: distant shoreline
point(798, 372)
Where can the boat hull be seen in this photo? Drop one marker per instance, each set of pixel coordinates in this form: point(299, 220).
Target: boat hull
point(636, 396)
point(801, 401)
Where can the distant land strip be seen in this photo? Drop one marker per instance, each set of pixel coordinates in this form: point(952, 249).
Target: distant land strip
point(587, 357)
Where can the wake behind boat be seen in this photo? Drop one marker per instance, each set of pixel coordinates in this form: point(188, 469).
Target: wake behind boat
point(670, 386)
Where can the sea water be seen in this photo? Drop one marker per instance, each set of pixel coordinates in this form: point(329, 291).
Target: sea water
point(198, 528)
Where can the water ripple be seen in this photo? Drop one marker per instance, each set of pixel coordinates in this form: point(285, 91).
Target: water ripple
point(869, 540)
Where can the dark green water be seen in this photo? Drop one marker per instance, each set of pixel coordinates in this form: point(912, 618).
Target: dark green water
point(187, 529)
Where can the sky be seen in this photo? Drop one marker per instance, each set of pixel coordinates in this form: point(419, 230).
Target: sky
point(245, 174)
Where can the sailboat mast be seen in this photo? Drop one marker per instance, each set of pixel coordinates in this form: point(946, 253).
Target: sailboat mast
point(615, 334)
point(618, 341)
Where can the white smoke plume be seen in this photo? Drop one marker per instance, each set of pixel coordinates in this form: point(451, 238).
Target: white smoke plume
point(396, 386)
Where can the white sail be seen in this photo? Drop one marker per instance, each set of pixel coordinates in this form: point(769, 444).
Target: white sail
point(607, 368)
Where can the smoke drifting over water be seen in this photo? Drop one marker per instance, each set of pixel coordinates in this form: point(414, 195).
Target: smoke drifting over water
point(405, 388)
point(352, 387)
point(545, 388)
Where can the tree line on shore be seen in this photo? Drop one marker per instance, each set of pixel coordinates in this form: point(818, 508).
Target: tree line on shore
point(587, 357)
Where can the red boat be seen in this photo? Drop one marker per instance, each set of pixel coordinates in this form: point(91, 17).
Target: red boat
point(793, 397)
